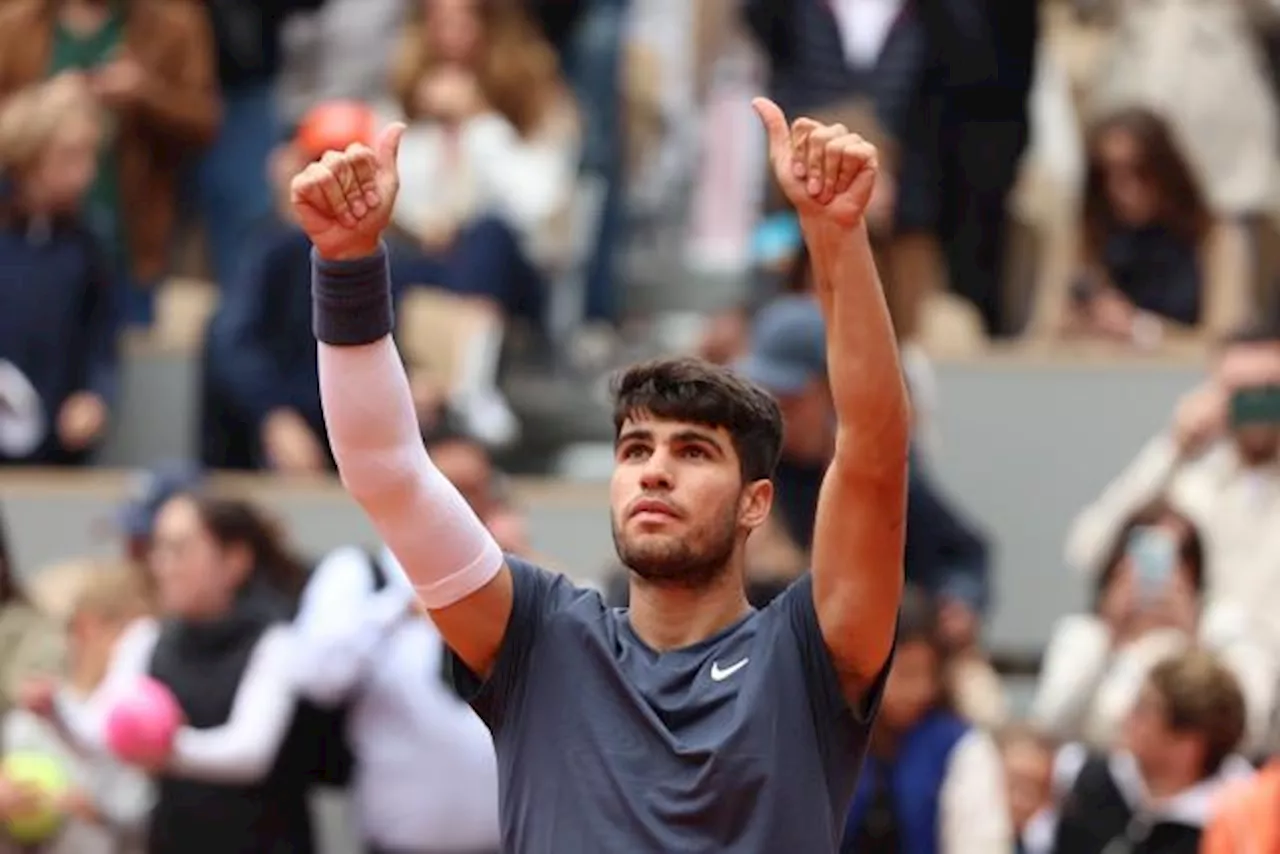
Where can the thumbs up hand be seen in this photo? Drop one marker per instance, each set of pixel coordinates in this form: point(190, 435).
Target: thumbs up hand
point(344, 200)
point(826, 172)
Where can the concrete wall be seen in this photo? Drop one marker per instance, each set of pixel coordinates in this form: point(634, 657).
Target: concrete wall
point(1025, 445)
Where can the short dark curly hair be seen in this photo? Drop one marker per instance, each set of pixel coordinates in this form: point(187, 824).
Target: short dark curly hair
point(699, 392)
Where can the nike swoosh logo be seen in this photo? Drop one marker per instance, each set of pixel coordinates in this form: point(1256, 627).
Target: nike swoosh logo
point(719, 674)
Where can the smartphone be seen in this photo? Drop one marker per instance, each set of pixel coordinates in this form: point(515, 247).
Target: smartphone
point(1154, 554)
point(1256, 405)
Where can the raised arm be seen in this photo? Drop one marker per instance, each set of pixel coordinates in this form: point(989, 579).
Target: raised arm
point(828, 174)
point(344, 203)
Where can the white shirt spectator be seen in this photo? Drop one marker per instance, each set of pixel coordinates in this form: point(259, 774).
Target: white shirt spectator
point(426, 777)
point(121, 795)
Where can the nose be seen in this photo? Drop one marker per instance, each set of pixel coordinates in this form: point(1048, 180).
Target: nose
point(656, 476)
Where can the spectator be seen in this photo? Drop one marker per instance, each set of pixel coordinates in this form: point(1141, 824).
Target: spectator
point(425, 777)
point(150, 63)
point(261, 406)
point(1247, 819)
point(224, 586)
point(1028, 772)
point(1147, 609)
point(825, 56)
point(1153, 261)
point(58, 374)
point(1200, 65)
point(931, 781)
point(231, 179)
point(30, 644)
point(1216, 463)
point(1157, 792)
point(107, 802)
point(488, 171)
point(982, 57)
point(589, 36)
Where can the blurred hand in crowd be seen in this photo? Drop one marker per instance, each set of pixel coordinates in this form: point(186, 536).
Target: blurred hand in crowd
point(290, 445)
point(36, 695)
point(119, 83)
point(1110, 315)
point(81, 420)
point(78, 803)
point(1200, 419)
point(17, 799)
point(450, 94)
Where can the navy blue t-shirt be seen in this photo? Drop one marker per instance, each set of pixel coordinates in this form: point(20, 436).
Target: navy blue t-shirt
point(741, 743)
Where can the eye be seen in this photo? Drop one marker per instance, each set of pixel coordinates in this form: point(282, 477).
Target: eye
point(634, 451)
point(695, 452)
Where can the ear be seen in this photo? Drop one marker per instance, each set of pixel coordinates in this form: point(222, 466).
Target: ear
point(239, 563)
point(755, 503)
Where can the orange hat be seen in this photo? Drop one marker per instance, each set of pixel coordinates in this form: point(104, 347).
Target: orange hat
point(333, 125)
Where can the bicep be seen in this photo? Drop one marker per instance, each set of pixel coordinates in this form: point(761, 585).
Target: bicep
point(527, 596)
point(858, 543)
point(474, 627)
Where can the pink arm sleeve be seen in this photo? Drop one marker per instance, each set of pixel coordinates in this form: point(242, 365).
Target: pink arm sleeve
point(373, 430)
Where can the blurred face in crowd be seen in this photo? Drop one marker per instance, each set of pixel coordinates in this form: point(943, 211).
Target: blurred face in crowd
point(1028, 769)
point(195, 576)
point(91, 639)
point(456, 28)
point(467, 466)
point(1159, 748)
point(67, 165)
point(914, 685)
point(1132, 194)
point(1243, 367)
point(808, 423)
point(679, 504)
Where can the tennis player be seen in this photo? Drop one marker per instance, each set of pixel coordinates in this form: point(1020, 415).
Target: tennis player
point(689, 722)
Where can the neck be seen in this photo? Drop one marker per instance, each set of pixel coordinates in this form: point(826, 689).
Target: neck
point(667, 616)
point(1165, 783)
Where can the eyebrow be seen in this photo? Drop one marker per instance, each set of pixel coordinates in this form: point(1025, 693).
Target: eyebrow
point(684, 436)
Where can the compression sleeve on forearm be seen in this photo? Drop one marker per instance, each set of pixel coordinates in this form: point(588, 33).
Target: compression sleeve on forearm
point(373, 431)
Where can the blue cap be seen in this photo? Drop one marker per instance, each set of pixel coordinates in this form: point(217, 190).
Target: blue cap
point(788, 345)
point(152, 489)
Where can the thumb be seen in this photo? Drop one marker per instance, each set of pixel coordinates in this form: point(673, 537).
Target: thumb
point(388, 145)
point(775, 123)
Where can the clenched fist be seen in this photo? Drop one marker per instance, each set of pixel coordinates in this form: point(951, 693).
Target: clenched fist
point(825, 171)
point(343, 201)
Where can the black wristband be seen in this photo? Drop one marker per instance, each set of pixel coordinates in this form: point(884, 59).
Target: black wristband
point(351, 300)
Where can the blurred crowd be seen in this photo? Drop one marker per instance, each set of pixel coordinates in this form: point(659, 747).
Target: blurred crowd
point(1063, 175)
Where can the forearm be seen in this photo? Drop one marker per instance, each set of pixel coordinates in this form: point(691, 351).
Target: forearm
point(373, 431)
point(867, 389)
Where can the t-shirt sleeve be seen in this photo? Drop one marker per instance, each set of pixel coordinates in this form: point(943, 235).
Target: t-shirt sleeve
point(826, 692)
point(536, 595)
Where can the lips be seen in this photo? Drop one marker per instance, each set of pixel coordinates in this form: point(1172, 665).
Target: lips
point(655, 507)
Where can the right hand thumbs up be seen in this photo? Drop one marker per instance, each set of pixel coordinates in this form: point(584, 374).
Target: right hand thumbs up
point(344, 200)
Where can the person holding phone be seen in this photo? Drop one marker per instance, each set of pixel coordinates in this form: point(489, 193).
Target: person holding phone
point(1218, 464)
point(1147, 609)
